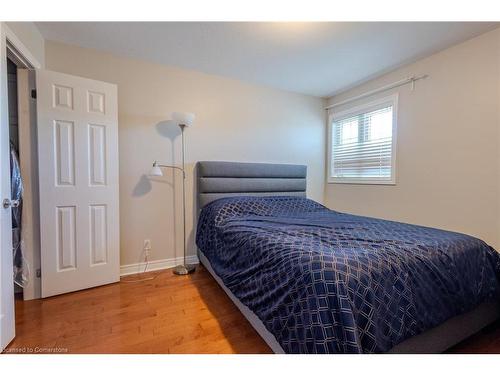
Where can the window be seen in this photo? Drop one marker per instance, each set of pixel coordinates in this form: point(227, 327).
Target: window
point(362, 144)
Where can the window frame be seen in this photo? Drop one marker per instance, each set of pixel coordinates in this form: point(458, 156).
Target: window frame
point(354, 111)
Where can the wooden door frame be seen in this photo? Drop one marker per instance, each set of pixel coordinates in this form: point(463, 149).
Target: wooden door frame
point(9, 44)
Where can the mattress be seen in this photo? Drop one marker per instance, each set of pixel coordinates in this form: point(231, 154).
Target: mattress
point(321, 281)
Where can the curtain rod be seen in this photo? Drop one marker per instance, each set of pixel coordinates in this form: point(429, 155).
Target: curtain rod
point(402, 82)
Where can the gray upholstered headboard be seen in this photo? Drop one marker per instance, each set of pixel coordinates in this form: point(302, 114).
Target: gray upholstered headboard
point(219, 179)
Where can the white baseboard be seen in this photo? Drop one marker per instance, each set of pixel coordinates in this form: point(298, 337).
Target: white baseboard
point(155, 265)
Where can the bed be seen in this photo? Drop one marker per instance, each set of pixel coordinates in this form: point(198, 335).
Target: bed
point(313, 280)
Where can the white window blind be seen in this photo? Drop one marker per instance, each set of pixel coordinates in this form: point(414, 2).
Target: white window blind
point(362, 149)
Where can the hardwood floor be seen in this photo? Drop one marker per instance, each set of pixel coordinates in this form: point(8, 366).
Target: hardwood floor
point(487, 341)
point(170, 314)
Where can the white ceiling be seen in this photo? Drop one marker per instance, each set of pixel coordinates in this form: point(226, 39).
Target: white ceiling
point(319, 59)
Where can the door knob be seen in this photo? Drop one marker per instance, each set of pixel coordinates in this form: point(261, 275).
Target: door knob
point(10, 203)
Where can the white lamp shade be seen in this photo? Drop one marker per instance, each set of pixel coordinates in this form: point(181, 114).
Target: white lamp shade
point(155, 171)
point(183, 118)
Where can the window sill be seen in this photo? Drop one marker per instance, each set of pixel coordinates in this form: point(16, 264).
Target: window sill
point(358, 182)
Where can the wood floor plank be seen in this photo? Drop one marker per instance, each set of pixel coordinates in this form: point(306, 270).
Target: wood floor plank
point(170, 314)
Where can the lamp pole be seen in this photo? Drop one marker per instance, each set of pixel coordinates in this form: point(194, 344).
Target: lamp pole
point(185, 268)
point(183, 120)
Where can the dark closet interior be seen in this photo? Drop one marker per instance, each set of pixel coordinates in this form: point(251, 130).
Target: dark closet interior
point(20, 277)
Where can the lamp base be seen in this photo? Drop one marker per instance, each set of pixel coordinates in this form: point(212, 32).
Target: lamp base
point(184, 269)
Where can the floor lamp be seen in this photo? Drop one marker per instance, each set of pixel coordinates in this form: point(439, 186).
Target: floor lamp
point(183, 120)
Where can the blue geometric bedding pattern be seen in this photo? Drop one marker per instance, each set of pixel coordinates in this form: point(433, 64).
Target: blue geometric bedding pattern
point(328, 282)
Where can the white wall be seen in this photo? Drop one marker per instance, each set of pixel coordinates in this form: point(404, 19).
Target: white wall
point(235, 121)
point(448, 159)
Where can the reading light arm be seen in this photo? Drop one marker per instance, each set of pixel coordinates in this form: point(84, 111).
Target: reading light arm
point(156, 164)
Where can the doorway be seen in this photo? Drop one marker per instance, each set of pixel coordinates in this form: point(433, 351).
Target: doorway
point(21, 268)
point(24, 175)
point(23, 143)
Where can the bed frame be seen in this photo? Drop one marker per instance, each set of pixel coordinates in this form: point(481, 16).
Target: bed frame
point(218, 179)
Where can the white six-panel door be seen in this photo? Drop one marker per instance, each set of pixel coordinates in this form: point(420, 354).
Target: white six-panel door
point(78, 169)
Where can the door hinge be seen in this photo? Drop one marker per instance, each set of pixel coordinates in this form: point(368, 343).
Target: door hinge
point(38, 273)
point(33, 94)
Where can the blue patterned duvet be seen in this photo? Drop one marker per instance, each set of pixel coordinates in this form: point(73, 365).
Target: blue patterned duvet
point(327, 282)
